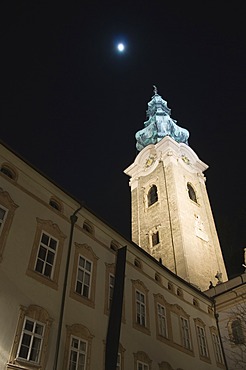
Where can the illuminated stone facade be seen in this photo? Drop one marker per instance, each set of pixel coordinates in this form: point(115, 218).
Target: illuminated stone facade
point(177, 225)
point(166, 324)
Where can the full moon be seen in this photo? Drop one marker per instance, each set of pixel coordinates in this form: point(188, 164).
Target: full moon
point(121, 47)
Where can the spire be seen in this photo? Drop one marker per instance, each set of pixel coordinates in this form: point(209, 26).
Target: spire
point(159, 124)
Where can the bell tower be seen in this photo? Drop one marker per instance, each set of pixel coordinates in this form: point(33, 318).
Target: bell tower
point(171, 214)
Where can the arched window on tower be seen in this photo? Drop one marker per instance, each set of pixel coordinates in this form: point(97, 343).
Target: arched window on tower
point(152, 195)
point(191, 192)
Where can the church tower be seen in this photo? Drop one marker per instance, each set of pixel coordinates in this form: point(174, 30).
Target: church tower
point(171, 214)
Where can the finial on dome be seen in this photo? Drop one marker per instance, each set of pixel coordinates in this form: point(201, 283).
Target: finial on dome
point(155, 89)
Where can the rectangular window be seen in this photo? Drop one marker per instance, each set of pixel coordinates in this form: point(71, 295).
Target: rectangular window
point(202, 341)
point(77, 357)
point(31, 340)
point(217, 349)
point(142, 366)
point(155, 238)
point(84, 274)
point(185, 330)
point(141, 308)
point(46, 255)
point(3, 214)
point(162, 321)
point(111, 290)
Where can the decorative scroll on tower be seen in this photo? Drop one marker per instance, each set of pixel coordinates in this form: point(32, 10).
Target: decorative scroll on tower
point(171, 214)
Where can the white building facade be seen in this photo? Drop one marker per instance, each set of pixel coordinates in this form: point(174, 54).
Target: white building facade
point(57, 276)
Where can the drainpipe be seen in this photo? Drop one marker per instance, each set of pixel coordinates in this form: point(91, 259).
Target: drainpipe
point(73, 219)
point(216, 315)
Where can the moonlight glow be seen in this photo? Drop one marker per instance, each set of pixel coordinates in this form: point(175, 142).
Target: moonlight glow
point(121, 47)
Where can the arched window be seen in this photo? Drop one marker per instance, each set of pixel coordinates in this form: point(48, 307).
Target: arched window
point(170, 286)
point(9, 172)
point(179, 292)
point(157, 278)
point(152, 195)
point(114, 246)
point(237, 331)
point(88, 227)
point(191, 192)
point(137, 263)
point(55, 204)
point(195, 302)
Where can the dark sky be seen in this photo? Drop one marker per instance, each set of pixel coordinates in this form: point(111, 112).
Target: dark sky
point(71, 105)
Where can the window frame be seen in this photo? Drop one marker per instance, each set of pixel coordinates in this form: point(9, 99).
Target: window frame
point(2, 221)
point(86, 252)
point(185, 333)
point(52, 229)
point(140, 308)
point(166, 335)
point(78, 352)
point(202, 339)
point(141, 358)
point(48, 250)
point(39, 315)
point(219, 357)
point(81, 333)
point(85, 272)
point(144, 365)
point(6, 203)
point(138, 286)
point(32, 336)
point(162, 321)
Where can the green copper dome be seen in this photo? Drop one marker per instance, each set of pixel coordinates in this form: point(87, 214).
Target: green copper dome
point(159, 124)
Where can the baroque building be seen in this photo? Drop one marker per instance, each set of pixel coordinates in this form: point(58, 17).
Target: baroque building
point(77, 295)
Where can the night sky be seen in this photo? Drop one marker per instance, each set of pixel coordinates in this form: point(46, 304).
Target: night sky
point(71, 104)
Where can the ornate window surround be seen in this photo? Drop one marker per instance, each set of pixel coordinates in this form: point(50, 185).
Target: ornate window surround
point(53, 230)
point(7, 202)
point(138, 285)
point(81, 332)
point(85, 251)
point(36, 313)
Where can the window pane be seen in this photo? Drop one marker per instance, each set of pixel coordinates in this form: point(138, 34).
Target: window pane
point(42, 253)
point(78, 287)
point(86, 291)
point(45, 239)
point(39, 329)
point(81, 261)
point(23, 352)
point(88, 266)
point(50, 257)
point(39, 266)
point(26, 340)
point(53, 243)
point(35, 349)
point(48, 270)
point(29, 325)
